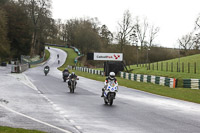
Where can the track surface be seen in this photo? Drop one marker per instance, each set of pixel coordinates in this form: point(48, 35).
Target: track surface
point(47, 99)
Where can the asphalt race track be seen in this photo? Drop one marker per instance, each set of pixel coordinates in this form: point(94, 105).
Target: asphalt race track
point(34, 101)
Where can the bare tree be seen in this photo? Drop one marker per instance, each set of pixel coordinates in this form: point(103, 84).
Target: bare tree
point(152, 34)
point(186, 41)
point(4, 43)
point(197, 22)
point(196, 41)
point(106, 35)
point(125, 29)
point(196, 38)
point(141, 30)
point(37, 8)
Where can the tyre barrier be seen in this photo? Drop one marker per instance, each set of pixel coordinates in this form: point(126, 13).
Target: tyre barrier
point(191, 83)
point(3, 64)
point(164, 81)
point(15, 69)
point(88, 70)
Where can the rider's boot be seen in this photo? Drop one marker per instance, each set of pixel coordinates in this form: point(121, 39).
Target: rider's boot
point(102, 95)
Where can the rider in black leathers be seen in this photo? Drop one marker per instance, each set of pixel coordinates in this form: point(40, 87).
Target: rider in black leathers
point(65, 72)
point(73, 75)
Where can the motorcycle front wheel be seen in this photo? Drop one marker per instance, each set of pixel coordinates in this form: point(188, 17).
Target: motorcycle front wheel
point(105, 101)
point(72, 88)
point(111, 101)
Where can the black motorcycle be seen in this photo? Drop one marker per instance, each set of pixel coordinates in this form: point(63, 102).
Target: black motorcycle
point(46, 70)
point(72, 86)
point(65, 76)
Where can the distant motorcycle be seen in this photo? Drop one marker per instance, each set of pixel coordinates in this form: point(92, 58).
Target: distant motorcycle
point(46, 70)
point(72, 86)
point(110, 92)
point(65, 76)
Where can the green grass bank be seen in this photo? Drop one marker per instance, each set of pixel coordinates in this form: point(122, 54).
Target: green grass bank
point(185, 69)
point(17, 130)
point(177, 93)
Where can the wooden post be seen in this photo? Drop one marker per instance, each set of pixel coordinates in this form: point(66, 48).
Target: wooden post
point(195, 68)
point(161, 66)
point(188, 67)
point(166, 66)
point(157, 65)
point(153, 66)
point(149, 66)
point(172, 67)
point(177, 67)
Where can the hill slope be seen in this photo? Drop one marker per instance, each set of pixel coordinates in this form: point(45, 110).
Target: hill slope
point(170, 68)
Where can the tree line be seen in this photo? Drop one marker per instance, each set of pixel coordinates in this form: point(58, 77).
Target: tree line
point(191, 41)
point(26, 25)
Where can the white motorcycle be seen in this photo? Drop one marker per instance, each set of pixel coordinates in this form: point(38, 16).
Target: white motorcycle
point(110, 92)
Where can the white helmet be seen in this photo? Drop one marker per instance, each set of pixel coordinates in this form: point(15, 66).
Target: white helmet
point(112, 75)
point(73, 73)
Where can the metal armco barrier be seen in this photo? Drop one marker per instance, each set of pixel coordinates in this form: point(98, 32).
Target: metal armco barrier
point(19, 68)
point(164, 81)
point(24, 67)
point(191, 83)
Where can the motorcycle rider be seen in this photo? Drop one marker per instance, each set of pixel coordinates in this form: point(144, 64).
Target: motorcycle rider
point(47, 67)
point(111, 77)
point(65, 72)
point(71, 76)
point(46, 70)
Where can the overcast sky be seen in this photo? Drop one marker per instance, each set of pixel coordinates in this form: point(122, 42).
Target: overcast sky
point(174, 17)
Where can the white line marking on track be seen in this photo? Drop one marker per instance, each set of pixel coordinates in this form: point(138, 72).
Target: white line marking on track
point(57, 108)
point(78, 127)
point(62, 112)
point(47, 124)
point(66, 116)
point(72, 121)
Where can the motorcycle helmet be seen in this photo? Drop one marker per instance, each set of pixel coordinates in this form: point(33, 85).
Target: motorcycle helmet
point(73, 73)
point(112, 75)
point(66, 70)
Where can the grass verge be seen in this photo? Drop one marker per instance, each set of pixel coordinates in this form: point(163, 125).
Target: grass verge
point(17, 130)
point(165, 68)
point(71, 55)
point(47, 55)
point(177, 93)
